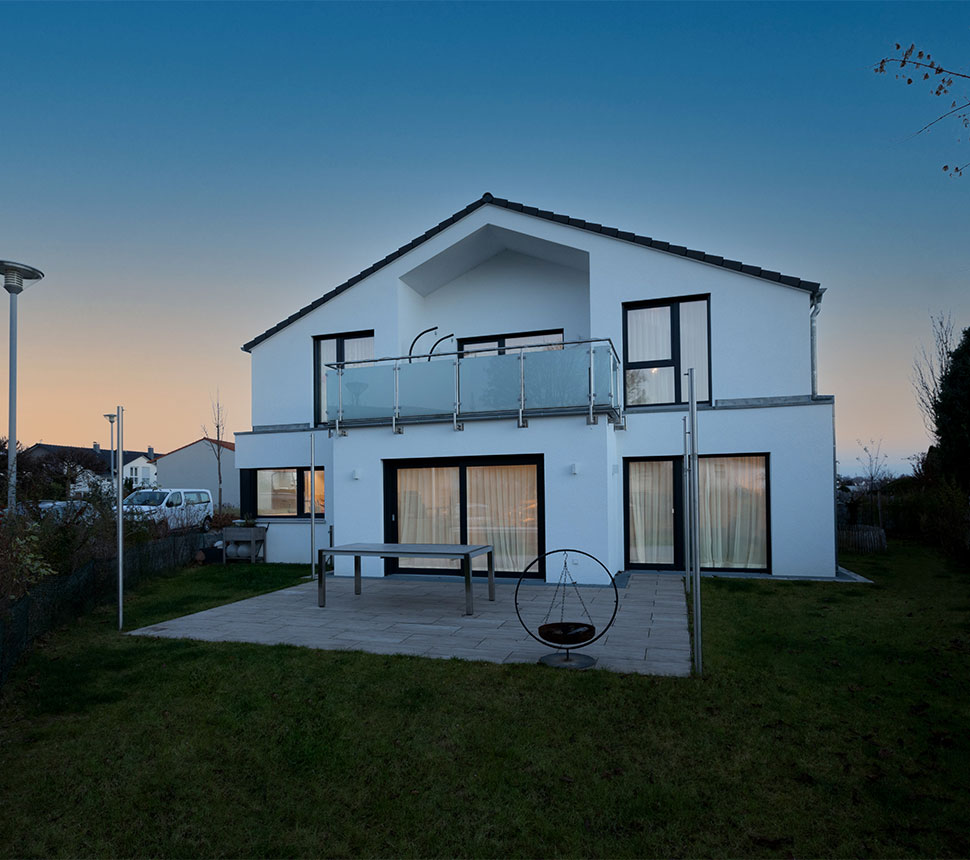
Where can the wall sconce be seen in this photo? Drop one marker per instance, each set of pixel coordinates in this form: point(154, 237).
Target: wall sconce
point(574, 469)
point(355, 475)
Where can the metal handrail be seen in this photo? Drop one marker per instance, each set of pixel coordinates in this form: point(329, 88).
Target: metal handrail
point(509, 350)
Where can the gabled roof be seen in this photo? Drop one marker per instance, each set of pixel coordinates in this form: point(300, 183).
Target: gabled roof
point(68, 450)
point(657, 245)
point(231, 446)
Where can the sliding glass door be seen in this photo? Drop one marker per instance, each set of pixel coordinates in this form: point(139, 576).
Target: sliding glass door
point(734, 513)
point(650, 519)
point(496, 500)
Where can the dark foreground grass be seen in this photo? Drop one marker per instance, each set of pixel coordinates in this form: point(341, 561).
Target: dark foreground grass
point(832, 721)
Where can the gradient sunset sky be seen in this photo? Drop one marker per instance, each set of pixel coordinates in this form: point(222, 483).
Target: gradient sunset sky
point(189, 174)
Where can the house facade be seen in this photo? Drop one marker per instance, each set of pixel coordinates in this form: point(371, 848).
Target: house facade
point(195, 466)
point(142, 471)
point(518, 377)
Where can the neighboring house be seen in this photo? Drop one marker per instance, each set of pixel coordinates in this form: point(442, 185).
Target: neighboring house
point(86, 467)
point(546, 408)
point(142, 471)
point(194, 466)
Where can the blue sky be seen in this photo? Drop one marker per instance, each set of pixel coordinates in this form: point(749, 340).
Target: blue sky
point(188, 174)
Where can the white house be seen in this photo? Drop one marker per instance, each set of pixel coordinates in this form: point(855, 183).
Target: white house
point(517, 377)
point(194, 466)
point(142, 470)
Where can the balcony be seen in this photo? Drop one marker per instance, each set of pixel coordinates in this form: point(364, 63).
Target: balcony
point(574, 378)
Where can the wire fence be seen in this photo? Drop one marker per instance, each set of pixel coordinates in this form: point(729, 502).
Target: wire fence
point(59, 599)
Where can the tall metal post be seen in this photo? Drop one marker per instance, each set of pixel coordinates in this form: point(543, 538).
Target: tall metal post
point(121, 519)
point(12, 432)
point(313, 509)
point(14, 275)
point(111, 420)
point(695, 541)
point(685, 495)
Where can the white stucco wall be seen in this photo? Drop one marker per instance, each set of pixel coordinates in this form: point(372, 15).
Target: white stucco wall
point(760, 348)
point(194, 466)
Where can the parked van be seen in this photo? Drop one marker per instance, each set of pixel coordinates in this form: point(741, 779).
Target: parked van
point(179, 508)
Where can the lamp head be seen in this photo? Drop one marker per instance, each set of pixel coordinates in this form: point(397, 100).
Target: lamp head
point(110, 416)
point(14, 275)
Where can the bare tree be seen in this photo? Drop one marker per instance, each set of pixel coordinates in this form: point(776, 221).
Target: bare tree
point(876, 472)
point(912, 65)
point(929, 367)
point(216, 440)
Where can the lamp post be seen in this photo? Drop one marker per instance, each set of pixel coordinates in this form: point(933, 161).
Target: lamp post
point(111, 420)
point(14, 276)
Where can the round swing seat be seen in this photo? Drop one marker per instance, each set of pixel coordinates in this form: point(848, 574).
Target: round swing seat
point(567, 633)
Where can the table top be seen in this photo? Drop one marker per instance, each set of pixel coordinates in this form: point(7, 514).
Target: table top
point(409, 550)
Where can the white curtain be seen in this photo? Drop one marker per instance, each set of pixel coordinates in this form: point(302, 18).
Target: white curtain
point(648, 334)
point(358, 349)
point(503, 512)
point(693, 346)
point(428, 511)
point(733, 512)
point(651, 495)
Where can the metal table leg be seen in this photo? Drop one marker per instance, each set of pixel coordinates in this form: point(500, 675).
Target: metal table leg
point(466, 569)
point(321, 582)
point(356, 574)
point(491, 576)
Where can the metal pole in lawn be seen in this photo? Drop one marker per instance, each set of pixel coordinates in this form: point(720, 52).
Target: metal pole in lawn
point(685, 504)
point(120, 475)
point(313, 510)
point(695, 537)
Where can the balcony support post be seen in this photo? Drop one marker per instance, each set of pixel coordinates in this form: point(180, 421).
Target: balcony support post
point(454, 414)
point(522, 420)
point(396, 414)
point(340, 401)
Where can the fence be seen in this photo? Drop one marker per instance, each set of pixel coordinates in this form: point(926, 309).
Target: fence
point(862, 539)
point(59, 599)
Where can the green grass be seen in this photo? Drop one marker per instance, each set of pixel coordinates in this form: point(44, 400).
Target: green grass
point(831, 721)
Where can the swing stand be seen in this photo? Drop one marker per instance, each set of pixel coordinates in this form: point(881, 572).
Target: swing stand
point(567, 635)
point(564, 660)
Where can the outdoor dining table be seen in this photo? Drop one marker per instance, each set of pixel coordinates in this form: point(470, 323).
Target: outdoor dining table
point(465, 552)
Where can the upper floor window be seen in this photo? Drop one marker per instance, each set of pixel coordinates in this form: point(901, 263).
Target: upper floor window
point(661, 340)
point(357, 346)
point(499, 344)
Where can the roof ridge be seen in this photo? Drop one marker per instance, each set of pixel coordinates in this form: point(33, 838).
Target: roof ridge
point(488, 198)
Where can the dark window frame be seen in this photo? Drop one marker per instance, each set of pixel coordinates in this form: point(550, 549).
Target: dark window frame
point(339, 337)
point(500, 339)
point(249, 498)
point(674, 360)
point(680, 502)
point(390, 504)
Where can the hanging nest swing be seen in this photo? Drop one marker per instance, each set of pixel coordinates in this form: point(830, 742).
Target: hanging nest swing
point(575, 627)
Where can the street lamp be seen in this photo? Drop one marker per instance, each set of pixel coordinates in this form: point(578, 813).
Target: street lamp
point(14, 276)
point(111, 420)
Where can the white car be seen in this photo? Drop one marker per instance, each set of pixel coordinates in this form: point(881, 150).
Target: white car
point(179, 508)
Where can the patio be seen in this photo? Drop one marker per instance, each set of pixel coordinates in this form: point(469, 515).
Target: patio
point(424, 617)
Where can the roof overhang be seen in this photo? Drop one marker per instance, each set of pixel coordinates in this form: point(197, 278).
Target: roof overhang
point(482, 245)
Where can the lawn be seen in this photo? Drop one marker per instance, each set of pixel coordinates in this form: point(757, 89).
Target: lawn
point(831, 721)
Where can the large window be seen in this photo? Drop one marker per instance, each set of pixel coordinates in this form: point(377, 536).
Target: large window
point(336, 349)
point(661, 340)
point(286, 492)
point(494, 500)
point(734, 520)
point(500, 344)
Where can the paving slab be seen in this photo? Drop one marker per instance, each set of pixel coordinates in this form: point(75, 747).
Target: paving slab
point(395, 616)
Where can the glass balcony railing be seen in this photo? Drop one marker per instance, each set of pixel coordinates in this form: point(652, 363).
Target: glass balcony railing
point(579, 377)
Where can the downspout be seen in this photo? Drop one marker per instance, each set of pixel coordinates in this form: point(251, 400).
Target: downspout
point(816, 307)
